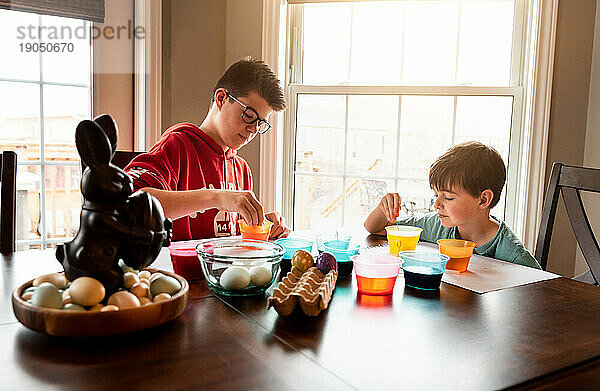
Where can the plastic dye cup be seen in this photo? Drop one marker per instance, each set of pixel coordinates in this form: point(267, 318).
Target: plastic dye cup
point(185, 259)
point(402, 237)
point(376, 274)
point(423, 269)
point(329, 236)
point(291, 245)
point(343, 251)
point(256, 232)
point(459, 251)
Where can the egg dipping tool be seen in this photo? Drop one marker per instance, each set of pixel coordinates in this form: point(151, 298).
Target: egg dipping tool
point(423, 269)
point(376, 274)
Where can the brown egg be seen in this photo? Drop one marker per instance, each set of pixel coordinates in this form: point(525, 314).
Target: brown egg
point(108, 308)
point(124, 300)
point(66, 297)
point(130, 279)
point(57, 279)
point(144, 274)
point(140, 289)
point(161, 297)
point(97, 307)
point(145, 301)
point(86, 291)
point(27, 295)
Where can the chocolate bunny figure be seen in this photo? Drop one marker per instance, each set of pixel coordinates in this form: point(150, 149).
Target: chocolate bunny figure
point(115, 224)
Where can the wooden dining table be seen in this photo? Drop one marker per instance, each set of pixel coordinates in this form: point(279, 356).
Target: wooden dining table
point(543, 335)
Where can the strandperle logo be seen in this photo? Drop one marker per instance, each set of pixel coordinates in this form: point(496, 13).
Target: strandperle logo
point(35, 32)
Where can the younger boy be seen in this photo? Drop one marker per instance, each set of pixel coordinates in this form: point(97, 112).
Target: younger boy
point(195, 171)
point(467, 182)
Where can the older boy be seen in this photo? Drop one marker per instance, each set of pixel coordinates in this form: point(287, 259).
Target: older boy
point(195, 171)
point(467, 182)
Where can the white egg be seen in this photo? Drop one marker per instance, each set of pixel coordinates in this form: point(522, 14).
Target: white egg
point(260, 275)
point(235, 278)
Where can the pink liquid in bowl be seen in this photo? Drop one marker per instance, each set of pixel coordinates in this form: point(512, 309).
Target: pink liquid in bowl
point(185, 260)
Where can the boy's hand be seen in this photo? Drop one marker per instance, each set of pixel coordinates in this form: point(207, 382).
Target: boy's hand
point(244, 202)
point(279, 229)
point(390, 206)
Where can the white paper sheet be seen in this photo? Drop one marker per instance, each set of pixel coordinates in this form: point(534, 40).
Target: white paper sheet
point(484, 274)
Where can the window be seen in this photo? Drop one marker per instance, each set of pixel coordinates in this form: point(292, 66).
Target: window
point(378, 90)
point(44, 93)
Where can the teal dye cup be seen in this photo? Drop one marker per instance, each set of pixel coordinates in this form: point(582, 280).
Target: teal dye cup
point(342, 250)
point(423, 269)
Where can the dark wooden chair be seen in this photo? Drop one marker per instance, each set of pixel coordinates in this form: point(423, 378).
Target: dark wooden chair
point(569, 181)
point(8, 200)
point(121, 159)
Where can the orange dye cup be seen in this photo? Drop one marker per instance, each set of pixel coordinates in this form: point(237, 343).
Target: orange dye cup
point(256, 232)
point(459, 251)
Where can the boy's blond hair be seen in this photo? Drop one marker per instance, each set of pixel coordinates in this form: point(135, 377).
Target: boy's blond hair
point(472, 166)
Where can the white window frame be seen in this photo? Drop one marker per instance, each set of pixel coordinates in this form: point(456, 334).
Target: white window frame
point(536, 21)
point(44, 241)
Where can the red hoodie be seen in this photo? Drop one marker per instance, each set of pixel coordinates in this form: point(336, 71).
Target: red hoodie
point(186, 158)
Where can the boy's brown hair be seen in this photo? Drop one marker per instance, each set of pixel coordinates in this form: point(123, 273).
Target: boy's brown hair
point(251, 74)
point(471, 165)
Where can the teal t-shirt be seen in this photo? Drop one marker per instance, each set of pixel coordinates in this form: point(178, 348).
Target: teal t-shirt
point(504, 246)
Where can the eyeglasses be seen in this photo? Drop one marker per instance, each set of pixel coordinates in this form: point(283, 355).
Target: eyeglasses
point(250, 116)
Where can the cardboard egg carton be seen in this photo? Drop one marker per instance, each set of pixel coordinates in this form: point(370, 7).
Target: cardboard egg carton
point(311, 289)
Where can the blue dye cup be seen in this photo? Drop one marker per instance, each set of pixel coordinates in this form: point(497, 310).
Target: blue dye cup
point(342, 250)
point(291, 245)
point(423, 269)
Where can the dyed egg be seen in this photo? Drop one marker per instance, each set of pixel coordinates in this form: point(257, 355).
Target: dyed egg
point(302, 260)
point(260, 275)
point(57, 279)
point(123, 300)
point(145, 274)
point(235, 278)
point(46, 295)
point(73, 307)
point(325, 262)
point(164, 284)
point(86, 291)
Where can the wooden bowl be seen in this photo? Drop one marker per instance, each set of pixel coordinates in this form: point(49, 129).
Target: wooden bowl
point(93, 324)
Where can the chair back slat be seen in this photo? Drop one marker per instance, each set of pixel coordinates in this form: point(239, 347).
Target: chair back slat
point(8, 200)
point(542, 246)
point(582, 178)
point(582, 229)
point(121, 159)
point(569, 181)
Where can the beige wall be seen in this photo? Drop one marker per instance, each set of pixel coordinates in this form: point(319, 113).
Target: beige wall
point(201, 38)
point(592, 140)
point(113, 73)
point(568, 114)
point(244, 38)
point(194, 50)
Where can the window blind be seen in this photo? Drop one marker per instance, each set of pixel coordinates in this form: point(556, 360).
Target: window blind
point(92, 10)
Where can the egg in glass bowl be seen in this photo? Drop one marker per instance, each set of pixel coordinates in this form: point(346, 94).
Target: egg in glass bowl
point(239, 267)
